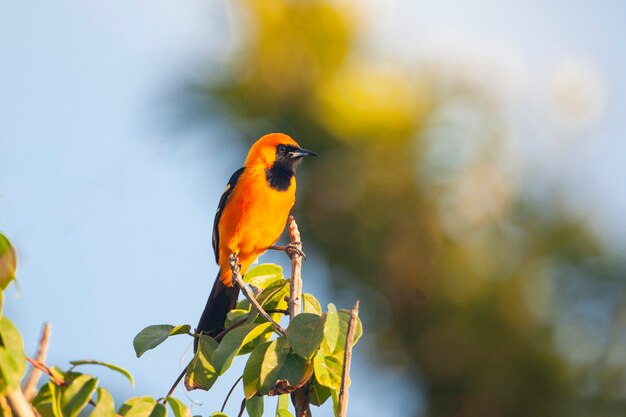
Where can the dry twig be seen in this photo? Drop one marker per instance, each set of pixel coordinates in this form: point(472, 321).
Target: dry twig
point(236, 271)
point(347, 359)
point(20, 407)
point(300, 397)
point(30, 385)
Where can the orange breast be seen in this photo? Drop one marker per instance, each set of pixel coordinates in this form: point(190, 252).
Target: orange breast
point(253, 220)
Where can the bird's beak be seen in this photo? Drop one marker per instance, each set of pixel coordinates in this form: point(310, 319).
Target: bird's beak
point(301, 152)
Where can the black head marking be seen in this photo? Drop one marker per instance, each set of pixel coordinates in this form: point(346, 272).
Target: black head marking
point(279, 175)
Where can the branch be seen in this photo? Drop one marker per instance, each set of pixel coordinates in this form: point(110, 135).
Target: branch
point(300, 397)
point(236, 271)
point(30, 386)
point(347, 359)
point(19, 405)
point(295, 292)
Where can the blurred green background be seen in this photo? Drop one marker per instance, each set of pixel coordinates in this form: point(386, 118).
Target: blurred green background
point(475, 274)
point(469, 189)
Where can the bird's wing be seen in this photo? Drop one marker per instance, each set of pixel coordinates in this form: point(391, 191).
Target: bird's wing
point(220, 208)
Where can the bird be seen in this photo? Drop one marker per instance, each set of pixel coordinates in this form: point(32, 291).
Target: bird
point(251, 216)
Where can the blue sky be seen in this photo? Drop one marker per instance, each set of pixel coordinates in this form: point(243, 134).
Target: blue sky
point(112, 219)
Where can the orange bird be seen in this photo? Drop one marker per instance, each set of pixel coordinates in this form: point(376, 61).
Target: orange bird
point(250, 217)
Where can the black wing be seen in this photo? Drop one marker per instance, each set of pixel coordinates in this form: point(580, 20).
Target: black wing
point(220, 208)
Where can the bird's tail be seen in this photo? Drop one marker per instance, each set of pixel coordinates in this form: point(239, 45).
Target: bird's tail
point(220, 302)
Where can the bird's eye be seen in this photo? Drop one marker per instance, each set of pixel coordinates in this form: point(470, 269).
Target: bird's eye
point(281, 148)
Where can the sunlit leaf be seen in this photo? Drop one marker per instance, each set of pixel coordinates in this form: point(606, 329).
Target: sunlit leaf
point(138, 407)
point(233, 341)
point(105, 407)
point(12, 359)
point(234, 316)
point(219, 414)
point(153, 336)
point(254, 406)
point(201, 373)
point(77, 394)
point(305, 333)
point(262, 276)
point(159, 411)
point(8, 262)
point(282, 406)
point(328, 370)
point(310, 304)
point(107, 365)
point(331, 329)
point(178, 408)
point(252, 370)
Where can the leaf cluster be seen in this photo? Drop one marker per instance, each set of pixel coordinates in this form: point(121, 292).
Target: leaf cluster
point(309, 355)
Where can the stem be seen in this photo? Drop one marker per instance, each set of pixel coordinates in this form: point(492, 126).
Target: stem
point(43, 367)
point(171, 391)
point(243, 407)
point(230, 392)
point(347, 359)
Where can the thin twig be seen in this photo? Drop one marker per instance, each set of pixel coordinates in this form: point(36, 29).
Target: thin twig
point(236, 271)
point(223, 333)
point(347, 359)
point(295, 291)
point(43, 367)
point(30, 385)
point(230, 392)
point(243, 407)
point(20, 407)
point(171, 391)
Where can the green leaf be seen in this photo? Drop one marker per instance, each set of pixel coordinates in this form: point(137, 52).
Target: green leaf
point(8, 262)
point(107, 365)
point(218, 414)
point(273, 297)
point(76, 395)
point(159, 411)
point(331, 329)
point(252, 370)
point(261, 276)
point(178, 408)
point(344, 320)
point(12, 359)
point(234, 341)
point(310, 304)
point(105, 406)
point(318, 394)
point(43, 401)
point(282, 406)
point(305, 333)
point(254, 406)
point(235, 315)
point(328, 370)
point(138, 407)
point(181, 329)
point(201, 373)
point(55, 396)
point(153, 336)
point(282, 366)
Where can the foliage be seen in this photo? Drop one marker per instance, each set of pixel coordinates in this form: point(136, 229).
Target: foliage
point(275, 365)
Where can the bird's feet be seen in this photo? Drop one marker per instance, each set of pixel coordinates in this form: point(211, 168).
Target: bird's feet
point(293, 248)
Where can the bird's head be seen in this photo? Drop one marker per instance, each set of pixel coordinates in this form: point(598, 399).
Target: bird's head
point(278, 151)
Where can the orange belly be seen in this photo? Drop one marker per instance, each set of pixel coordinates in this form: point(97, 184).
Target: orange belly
point(252, 221)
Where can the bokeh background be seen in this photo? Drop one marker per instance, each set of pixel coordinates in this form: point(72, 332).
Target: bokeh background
point(470, 189)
